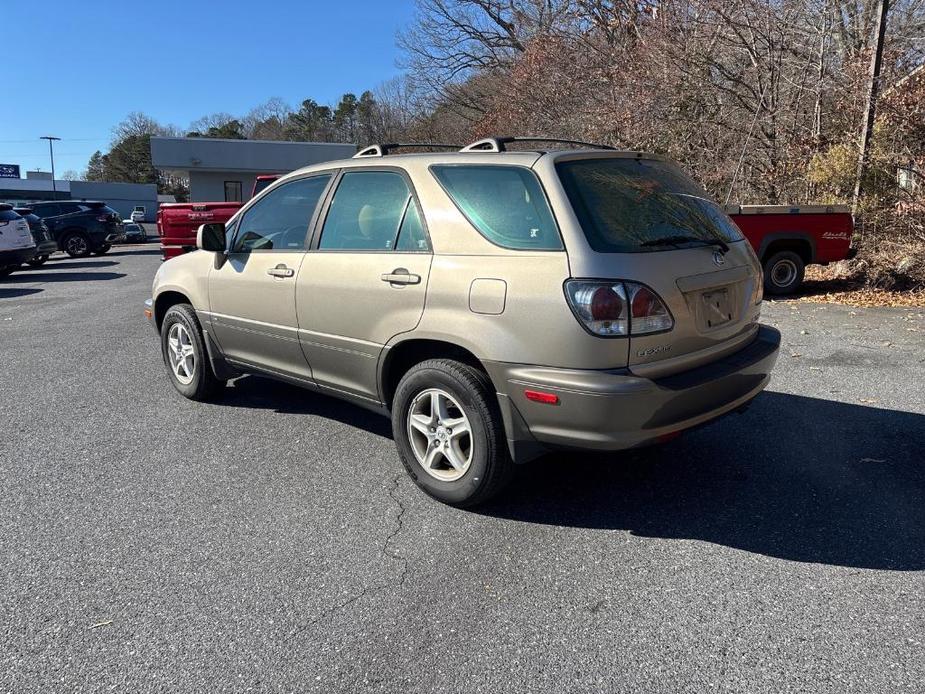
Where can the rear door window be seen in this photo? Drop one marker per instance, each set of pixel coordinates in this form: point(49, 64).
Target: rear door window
point(505, 203)
point(641, 205)
point(368, 211)
point(48, 210)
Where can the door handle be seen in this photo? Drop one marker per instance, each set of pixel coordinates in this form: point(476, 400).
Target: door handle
point(281, 271)
point(401, 275)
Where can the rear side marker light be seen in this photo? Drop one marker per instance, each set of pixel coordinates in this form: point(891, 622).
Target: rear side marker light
point(541, 397)
point(613, 308)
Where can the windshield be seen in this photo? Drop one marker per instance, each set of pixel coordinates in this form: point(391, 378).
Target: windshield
point(634, 205)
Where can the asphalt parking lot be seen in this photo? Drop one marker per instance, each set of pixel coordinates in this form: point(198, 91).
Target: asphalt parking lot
point(272, 542)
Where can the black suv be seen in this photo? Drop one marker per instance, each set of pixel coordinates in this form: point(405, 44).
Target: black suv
point(44, 244)
point(81, 227)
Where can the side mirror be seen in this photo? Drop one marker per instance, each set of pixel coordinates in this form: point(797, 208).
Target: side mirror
point(211, 237)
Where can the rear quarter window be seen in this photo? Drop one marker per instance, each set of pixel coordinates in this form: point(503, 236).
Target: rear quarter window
point(505, 203)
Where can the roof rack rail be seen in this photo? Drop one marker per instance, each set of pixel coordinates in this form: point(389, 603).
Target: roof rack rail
point(383, 149)
point(498, 144)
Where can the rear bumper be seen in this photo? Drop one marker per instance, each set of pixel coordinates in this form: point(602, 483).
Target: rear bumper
point(612, 410)
point(17, 256)
point(172, 251)
point(46, 248)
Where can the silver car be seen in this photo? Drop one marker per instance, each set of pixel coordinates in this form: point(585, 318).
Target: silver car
point(495, 304)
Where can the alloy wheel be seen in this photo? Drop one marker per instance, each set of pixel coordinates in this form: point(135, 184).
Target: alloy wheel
point(181, 353)
point(76, 245)
point(440, 435)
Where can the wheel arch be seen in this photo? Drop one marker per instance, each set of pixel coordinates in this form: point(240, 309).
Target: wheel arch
point(800, 243)
point(164, 301)
point(401, 356)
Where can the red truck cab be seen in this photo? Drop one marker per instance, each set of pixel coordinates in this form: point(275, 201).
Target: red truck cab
point(177, 223)
point(788, 238)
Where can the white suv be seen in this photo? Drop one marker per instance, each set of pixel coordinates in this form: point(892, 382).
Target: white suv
point(16, 243)
point(138, 214)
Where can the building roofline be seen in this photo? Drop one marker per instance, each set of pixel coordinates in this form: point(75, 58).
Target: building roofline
point(271, 142)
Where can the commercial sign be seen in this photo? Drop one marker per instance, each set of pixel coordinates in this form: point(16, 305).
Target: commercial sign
point(9, 170)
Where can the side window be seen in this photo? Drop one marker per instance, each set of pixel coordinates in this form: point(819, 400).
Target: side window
point(69, 207)
point(47, 210)
point(505, 203)
point(411, 236)
point(279, 221)
point(367, 210)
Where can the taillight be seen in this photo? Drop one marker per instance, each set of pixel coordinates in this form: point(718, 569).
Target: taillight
point(648, 314)
point(617, 308)
point(600, 306)
point(103, 218)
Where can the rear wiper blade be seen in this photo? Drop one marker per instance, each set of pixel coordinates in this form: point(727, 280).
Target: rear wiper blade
point(678, 240)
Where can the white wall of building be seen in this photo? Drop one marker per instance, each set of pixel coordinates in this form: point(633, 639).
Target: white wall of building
point(209, 186)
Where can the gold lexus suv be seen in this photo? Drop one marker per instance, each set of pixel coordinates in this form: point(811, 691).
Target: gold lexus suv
point(495, 304)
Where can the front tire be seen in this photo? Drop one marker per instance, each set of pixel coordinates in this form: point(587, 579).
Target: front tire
point(76, 245)
point(448, 430)
point(783, 273)
point(185, 355)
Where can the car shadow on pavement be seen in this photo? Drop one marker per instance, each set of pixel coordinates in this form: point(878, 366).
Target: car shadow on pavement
point(26, 277)
point(129, 250)
point(796, 478)
point(265, 393)
point(13, 292)
point(67, 264)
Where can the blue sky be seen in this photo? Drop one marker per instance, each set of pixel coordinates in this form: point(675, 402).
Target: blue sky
point(78, 68)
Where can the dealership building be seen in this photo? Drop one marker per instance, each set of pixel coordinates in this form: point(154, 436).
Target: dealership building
point(222, 170)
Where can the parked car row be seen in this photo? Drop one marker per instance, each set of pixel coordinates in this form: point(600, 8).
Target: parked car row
point(30, 234)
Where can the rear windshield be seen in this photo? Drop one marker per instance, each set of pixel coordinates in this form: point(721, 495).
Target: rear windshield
point(505, 203)
point(262, 183)
point(634, 205)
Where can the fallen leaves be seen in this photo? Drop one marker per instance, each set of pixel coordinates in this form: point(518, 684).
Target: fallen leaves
point(823, 285)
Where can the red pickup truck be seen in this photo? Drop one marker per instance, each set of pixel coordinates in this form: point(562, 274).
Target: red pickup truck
point(177, 222)
point(788, 238)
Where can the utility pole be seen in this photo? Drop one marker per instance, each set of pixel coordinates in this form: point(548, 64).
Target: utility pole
point(51, 151)
point(870, 112)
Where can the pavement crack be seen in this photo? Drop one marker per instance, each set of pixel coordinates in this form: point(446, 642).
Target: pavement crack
point(387, 549)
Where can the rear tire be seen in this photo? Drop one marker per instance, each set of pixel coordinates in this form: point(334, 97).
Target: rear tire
point(783, 273)
point(464, 468)
point(102, 250)
point(76, 245)
point(40, 260)
point(185, 355)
